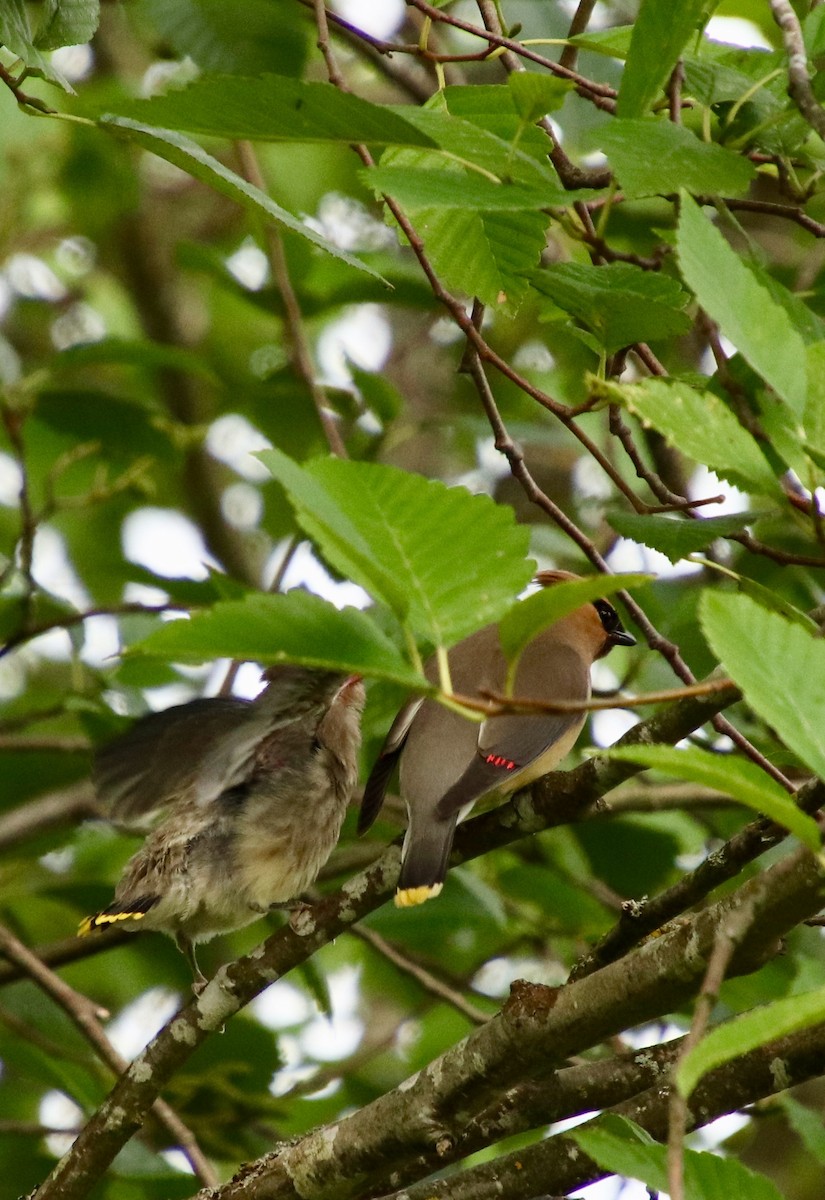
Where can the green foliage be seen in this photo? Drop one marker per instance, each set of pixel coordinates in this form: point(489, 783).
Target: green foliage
point(618, 303)
point(621, 1146)
point(702, 426)
point(654, 158)
point(747, 1032)
point(785, 687)
point(728, 292)
point(658, 39)
point(743, 781)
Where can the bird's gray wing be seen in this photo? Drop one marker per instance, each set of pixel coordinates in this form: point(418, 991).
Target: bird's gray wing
point(376, 786)
point(192, 749)
point(512, 742)
point(503, 751)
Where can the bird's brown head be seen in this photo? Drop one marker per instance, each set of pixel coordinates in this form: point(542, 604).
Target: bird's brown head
point(599, 621)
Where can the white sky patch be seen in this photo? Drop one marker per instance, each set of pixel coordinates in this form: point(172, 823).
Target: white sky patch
point(78, 326)
point(234, 440)
point(138, 1023)
point(362, 336)
point(6, 296)
point(328, 1039)
point(75, 62)
point(350, 225)
point(305, 570)
point(627, 556)
point(249, 265)
point(281, 1006)
point(166, 542)
point(178, 1160)
point(31, 277)
point(705, 483)
point(58, 1111)
point(142, 593)
point(380, 20)
point(11, 478)
point(494, 977)
point(52, 567)
point(533, 355)
point(736, 31)
point(101, 641)
point(242, 505)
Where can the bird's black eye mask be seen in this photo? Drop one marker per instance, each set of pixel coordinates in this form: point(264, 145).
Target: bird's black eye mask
point(607, 615)
point(612, 625)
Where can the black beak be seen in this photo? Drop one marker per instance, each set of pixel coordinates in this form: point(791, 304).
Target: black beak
point(620, 637)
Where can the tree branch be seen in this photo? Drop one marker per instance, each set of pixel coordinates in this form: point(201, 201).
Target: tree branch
point(237, 983)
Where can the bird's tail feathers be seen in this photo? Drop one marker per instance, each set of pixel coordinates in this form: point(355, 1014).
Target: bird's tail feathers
point(376, 787)
point(133, 911)
point(424, 861)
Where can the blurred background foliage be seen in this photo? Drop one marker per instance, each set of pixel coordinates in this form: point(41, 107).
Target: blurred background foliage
point(148, 346)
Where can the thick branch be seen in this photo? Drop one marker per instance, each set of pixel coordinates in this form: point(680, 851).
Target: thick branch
point(237, 983)
point(557, 1165)
point(538, 1028)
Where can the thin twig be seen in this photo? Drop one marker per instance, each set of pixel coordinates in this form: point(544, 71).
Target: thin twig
point(515, 456)
point(85, 1015)
point(493, 704)
point(300, 351)
point(425, 978)
point(728, 937)
point(580, 21)
point(601, 94)
point(71, 619)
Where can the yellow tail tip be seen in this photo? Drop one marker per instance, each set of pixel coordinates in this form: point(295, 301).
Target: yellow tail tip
point(88, 924)
point(409, 897)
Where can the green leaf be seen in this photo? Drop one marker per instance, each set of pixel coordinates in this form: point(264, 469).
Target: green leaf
point(777, 664)
point(151, 355)
point(660, 33)
point(743, 308)
point(747, 1032)
point(339, 537)
point(193, 159)
point(700, 425)
point(416, 187)
point(656, 158)
point(678, 537)
point(535, 95)
point(489, 255)
point(815, 404)
point(612, 43)
point(620, 303)
point(764, 596)
point(480, 125)
point(295, 627)
point(274, 108)
point(69, 23)
point(527, 618)
point(268, 38)
point(621, 1147)
point(401, 536)
point(806, 1123)
point(484, 253)
point(16, 35)
point(742, 780)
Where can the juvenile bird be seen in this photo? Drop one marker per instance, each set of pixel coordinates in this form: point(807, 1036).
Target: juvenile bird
point(448, 762)
point(252, 795)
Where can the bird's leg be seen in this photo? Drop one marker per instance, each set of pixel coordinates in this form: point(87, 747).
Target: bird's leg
point(187, 949)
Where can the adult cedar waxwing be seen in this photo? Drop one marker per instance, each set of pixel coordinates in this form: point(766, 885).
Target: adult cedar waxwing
point(449, 762)
point(253, 795)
